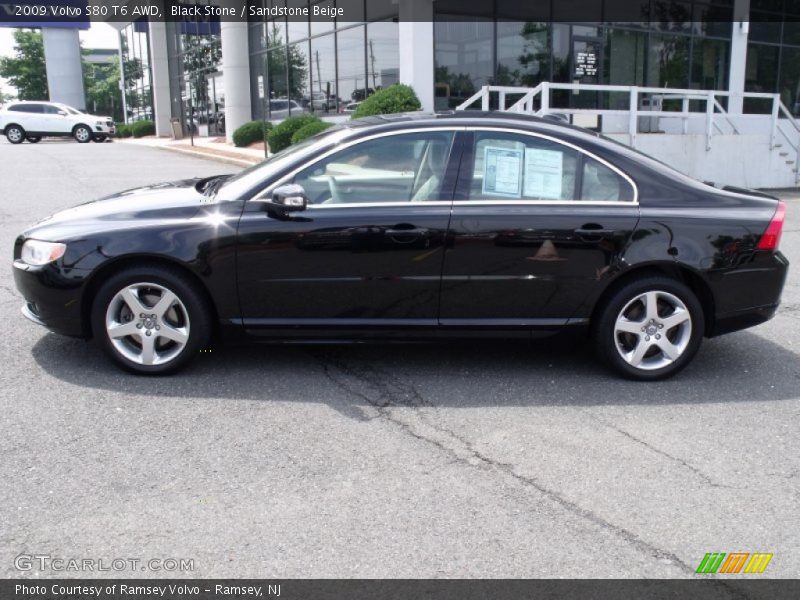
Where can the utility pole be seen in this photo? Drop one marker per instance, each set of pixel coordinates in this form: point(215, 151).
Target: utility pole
point(372, 66)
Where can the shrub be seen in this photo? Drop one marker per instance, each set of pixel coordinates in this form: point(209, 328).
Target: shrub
point(280, 136)
point(123, 130)
point(251, 132)
point(143, 128)
point(396, 98)
point(306, 131)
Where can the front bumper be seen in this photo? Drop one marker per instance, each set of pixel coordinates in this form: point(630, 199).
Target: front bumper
point(53, 297)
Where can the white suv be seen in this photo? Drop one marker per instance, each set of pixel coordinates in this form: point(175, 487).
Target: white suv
point(31, 121)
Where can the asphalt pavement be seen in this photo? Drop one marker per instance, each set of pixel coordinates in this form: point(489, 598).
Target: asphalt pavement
point(456, 460)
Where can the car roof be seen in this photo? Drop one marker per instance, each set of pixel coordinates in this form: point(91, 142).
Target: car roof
point(480, 118)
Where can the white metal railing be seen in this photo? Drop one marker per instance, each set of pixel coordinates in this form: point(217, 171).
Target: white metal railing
point(538, 101)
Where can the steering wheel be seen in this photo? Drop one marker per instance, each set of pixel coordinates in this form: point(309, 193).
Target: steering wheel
point(333, 186)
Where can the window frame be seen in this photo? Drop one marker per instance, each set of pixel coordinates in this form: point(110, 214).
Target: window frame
point(467, 169)
point(449, 181)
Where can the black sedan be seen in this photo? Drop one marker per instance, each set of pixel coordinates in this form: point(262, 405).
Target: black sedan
point(415, 227)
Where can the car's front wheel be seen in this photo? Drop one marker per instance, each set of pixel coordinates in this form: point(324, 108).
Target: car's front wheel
point(33, 139)
point(82, 134)
point(15, 134)
point(650, 328)
point(100, 138)
point(151, 320)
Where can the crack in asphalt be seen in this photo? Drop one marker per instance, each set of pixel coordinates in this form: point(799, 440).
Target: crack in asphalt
point(384, 383)
point(706, 478)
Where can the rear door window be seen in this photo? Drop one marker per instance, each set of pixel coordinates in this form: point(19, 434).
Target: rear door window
point(511, 166)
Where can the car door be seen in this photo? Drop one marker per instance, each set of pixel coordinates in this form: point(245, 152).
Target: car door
point(367, 251)
point(55, 119)
point(32, 117)
point(536, 224)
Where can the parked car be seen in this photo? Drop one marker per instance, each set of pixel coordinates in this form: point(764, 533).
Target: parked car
point(416, 227)
point(31, 121)
point(351, 108)
point(279, 109)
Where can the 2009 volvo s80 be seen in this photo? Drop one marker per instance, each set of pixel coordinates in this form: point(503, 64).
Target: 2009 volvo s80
point(414, 227)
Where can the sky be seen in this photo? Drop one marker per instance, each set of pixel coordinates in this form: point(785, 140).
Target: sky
point(99, 35)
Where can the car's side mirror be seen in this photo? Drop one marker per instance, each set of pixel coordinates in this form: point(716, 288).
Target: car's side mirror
point(288, 198)
point(63, 113)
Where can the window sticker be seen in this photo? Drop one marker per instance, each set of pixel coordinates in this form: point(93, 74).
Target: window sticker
point(502, 168)
point(544, 172)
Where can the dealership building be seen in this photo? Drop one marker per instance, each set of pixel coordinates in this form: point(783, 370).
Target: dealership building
point(210, 76)
point(447, 51)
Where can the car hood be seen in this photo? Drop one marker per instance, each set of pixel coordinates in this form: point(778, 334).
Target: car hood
point(175, 200)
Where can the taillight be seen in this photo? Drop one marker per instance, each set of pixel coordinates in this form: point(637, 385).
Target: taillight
point(772, 236)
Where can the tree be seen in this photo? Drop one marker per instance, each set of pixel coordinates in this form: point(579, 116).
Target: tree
point(276, 67)
point(26, 69)
point(101, 82)
point(4, 97)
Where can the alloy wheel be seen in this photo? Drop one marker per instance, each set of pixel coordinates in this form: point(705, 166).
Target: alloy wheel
point(82, 134)
point(147, 324)
point(14, 135)
point(653, 330)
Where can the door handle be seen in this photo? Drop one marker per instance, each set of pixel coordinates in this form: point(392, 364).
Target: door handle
point(592, 229)
point(411, 231)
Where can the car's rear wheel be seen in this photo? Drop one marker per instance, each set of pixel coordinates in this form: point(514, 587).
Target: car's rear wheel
point(34, 138)
point(15, 134)
point(650, 328)
point(82, 134)
point(151, 320)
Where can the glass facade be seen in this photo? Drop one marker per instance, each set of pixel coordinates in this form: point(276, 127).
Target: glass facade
point(773, 53)
point(196, 81)
point(136, 75)
point(684, 45)
point(321, 67)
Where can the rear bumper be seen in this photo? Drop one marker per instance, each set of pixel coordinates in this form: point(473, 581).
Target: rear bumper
point(53, 297)
point(750, 295)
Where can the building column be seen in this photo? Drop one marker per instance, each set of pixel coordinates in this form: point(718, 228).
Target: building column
point(235, 75)
point(738, 68)
point(159, 71)
point(62, 57)
point(416, 49)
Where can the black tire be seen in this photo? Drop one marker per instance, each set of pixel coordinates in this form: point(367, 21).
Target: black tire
point(82, 134)
point(194, 311)
point(33, 139)
point(99, 138)
point(683, 341)
point(15, 134)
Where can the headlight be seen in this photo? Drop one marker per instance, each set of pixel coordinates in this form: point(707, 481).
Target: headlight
point(36, 252)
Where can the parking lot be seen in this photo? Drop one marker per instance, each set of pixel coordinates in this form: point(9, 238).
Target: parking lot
point(456, 460)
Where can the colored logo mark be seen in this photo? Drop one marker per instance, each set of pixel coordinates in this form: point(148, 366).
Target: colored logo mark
point(735, 562)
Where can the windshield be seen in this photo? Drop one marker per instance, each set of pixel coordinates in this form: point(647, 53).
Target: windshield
point(244, 181)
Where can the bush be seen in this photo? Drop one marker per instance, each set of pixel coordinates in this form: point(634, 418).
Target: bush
point(280, 136)
point(143, 128)
point(123, 130)
point(251, 132)
point(308, 130)
point(396, 98)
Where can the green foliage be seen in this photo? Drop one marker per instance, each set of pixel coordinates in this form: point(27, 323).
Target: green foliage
point(396, 98)
point(123, 130)
point(143, 128)
point(25, 70)
point(101, 82)
point(251, 132)
point(306, 131)
point(281, 135)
